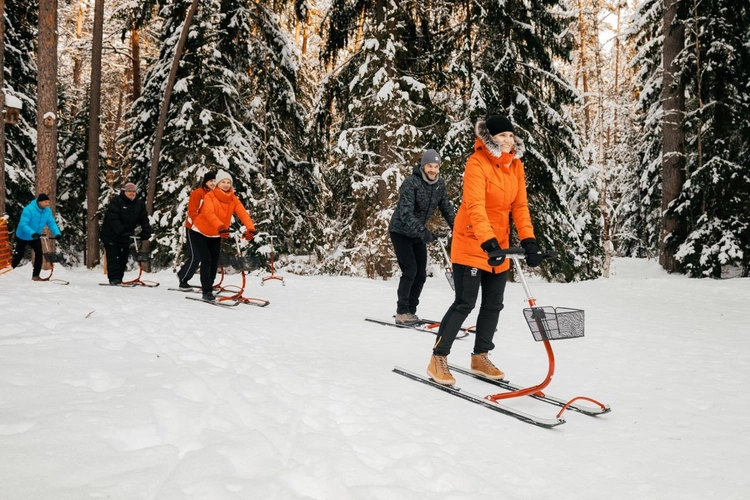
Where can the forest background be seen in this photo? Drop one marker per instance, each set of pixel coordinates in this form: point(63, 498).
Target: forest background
point(633, 114)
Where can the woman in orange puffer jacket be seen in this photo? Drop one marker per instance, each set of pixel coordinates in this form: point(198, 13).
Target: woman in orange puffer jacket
point(211, 226)
point(494, 188)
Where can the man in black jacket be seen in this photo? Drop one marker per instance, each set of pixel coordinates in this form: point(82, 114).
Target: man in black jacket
point(420, 194)
point(124, 213)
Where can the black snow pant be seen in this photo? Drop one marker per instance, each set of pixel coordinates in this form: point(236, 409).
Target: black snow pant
point(208, 249)
point(411, 254)
point(187, 271)
point(36, 246)
point(468, 280)
point(117, 259)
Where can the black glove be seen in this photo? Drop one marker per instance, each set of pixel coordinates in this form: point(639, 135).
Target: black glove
point(534, 256)
point(127, 236)
point(428, 236)
point(35, 236)
point(494, 253)
point(57, 237)
point(145, 236)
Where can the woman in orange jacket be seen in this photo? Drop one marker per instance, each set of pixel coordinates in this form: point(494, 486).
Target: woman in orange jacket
point(195, 202)
point(212, 225)
point(494, 188)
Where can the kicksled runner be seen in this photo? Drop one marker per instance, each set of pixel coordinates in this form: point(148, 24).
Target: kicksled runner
point(424, 325)
point(233, 295)
point(546, 324)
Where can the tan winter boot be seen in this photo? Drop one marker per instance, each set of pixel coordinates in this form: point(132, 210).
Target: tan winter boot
point(406, 319)
point(438, 370)
point(481, 365)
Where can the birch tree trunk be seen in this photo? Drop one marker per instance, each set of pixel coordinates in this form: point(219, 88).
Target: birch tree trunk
point(673, 140)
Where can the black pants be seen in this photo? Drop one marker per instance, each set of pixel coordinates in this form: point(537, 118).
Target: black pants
point(468, 280)
point(411, 254)
point(208, 249)
point(36, 246)
point(187, 271)
point(117, 258)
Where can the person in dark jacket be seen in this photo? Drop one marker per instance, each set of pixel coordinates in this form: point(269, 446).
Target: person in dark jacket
point(124, 214)
point(34, 218)
point(420, 194)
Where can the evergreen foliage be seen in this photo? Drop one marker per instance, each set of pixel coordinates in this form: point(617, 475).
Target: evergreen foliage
point(714, 203)
point(234, 107)
point(478, 60)
point(640, 215)
point(377, 103)
point(20, 76)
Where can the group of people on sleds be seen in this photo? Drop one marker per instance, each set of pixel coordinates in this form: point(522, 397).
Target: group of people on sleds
point(494, 189)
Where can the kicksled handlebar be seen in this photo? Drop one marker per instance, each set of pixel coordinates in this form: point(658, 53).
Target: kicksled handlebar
point(518, 253)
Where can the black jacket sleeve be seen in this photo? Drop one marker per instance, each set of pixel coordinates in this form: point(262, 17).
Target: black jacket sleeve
point(446, 208)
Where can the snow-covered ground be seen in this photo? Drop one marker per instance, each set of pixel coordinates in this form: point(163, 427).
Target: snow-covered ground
point(140, 394)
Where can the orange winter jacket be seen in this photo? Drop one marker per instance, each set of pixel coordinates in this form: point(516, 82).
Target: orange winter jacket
point(194, 205)
point(494, 187)
point(217, 210)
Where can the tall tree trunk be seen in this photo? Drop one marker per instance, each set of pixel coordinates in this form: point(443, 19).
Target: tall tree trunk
point(135, 50)
point(92, 187)
point(583, 68)
point(154, 171)
point(77, 62)
point(673, 141)
point(2, 108)
point(46, 160)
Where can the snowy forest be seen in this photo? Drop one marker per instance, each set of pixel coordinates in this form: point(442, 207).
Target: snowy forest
point(634, 114)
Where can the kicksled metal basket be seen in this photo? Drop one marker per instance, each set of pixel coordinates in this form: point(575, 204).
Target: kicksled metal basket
point(554, 323)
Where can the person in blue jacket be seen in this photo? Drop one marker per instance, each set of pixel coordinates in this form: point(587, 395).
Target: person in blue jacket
point(34, 218)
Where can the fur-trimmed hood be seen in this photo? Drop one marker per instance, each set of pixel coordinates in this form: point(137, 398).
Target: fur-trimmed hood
point(483, 134)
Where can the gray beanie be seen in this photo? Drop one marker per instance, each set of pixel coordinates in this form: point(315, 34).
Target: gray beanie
point(430, 156)
point(221, 175)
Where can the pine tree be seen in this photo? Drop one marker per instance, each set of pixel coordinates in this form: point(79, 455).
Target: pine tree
point(20, 81)
point(640, 211)
point(376, 103)
point(714, 203)
point(235, 104)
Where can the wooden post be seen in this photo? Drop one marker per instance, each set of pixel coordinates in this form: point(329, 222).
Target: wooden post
point(2, 108)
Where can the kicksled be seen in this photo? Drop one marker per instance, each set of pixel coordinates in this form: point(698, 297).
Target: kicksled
point(233, 295)
point(546, 324)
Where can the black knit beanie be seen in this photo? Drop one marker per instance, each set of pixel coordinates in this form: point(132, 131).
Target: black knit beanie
point(210, 176)
point(42, 197)
point(497, 124)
